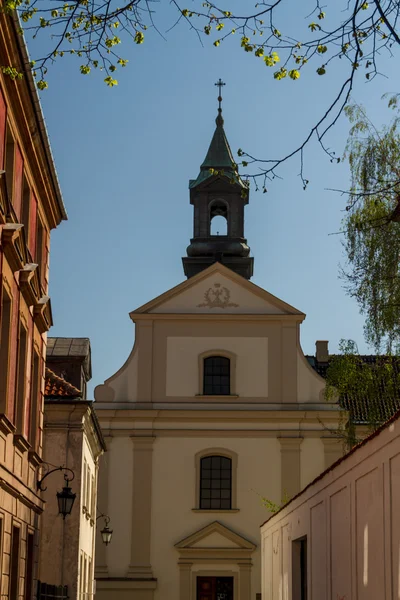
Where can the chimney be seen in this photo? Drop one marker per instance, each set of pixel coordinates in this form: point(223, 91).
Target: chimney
point(321, 351)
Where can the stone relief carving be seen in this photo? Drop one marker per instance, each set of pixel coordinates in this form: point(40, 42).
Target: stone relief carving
point(219, 297)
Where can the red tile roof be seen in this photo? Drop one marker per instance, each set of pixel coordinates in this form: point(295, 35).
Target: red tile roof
point(57, 387)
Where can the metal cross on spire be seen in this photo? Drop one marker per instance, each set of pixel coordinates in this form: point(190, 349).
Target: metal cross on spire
point(220, 84)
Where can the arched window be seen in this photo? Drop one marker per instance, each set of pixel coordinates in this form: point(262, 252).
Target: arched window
point(217, 376)
point(216, 483)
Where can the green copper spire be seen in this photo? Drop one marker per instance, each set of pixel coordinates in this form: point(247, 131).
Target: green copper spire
point(219, 156)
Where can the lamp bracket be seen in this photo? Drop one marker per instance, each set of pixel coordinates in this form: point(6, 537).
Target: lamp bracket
point(67, 478)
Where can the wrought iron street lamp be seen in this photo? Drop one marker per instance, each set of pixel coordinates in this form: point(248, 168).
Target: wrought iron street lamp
point(66, 497)
point(106, 532)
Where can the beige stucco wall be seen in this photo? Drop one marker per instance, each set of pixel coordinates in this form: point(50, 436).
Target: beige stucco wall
point(258, 472)
point(350, 517)
point(178, 438)
point(250, 373)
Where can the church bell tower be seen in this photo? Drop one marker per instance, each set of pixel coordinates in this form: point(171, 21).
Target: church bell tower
point(218, 190)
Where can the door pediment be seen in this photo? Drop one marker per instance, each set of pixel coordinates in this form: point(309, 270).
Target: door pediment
point(215, 537)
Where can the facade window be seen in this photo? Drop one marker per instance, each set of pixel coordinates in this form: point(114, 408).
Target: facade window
point(216, 483)
point(84, 499)
point(5, 332)
point(216, 376)
point(14, 567)
point(35, 401)
point(21, 381)
point(40, 250)
point(26, 201)
point(29, 566)
point(10, 162)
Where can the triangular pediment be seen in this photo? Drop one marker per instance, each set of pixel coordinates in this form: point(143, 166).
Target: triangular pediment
point(215, 536)
point(218, 290)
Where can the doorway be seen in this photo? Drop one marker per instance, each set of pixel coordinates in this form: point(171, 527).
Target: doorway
point(215, 588)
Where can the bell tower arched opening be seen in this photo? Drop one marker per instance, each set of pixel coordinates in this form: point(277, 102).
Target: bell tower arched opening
point(219, 218)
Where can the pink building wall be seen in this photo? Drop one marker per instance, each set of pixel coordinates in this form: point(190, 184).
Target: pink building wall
point(350, 518)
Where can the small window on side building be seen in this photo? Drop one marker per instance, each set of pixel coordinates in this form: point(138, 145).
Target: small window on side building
point(299, 568)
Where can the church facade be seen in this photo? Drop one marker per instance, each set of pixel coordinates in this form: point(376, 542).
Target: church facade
point(215, 409)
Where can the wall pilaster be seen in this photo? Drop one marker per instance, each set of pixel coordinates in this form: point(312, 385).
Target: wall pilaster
point(140, 566)
point(333, 450)
point(244, 581)
point(290, 466)
point(101, 567)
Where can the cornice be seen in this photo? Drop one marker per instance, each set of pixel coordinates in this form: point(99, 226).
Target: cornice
point(21, 443)
point(42, 314)
point(23, 100)
point(5, 425)
point(216, 317)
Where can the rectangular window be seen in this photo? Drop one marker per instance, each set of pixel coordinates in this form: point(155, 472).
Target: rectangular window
point(89, 589)
point(33, 226)
point(40, 249)
point(29, 566)
point(84, 483)
point(3, 116)
point(26, 201)
point(9, 162)
point(299, 568)
point(92, 504)
point(5, 331)
point(32, 413)
point(18, 182)
point(88, 476)
point(14, 567)
point(85, 578)
point(21, 379)
point(80, 591)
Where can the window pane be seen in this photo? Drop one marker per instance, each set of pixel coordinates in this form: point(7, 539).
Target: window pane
point(215, 482)
point(216, 375)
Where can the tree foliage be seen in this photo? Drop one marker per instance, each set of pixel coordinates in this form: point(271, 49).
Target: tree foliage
point(372, 226)
point(356, 32)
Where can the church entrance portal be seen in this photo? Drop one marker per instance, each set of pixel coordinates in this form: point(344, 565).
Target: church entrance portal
point(214, 588)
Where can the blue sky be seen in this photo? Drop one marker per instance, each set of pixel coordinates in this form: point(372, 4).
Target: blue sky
point(124, 158)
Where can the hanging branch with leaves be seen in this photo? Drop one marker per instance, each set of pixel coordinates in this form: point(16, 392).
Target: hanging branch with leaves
point(371, 226)
point(356, 32)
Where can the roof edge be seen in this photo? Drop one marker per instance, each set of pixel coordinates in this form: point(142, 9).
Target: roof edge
point(20, 40)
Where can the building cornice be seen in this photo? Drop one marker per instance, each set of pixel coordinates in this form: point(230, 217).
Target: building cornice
point(216, 317)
